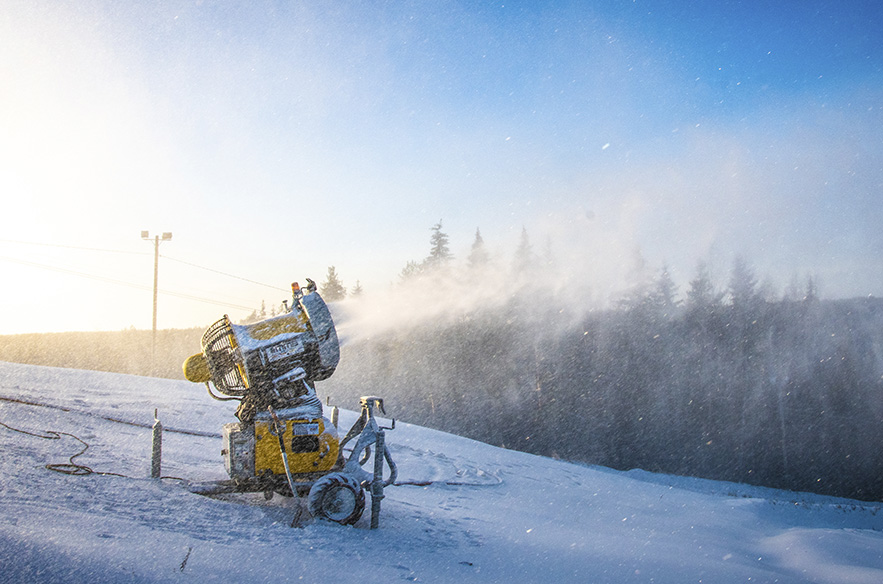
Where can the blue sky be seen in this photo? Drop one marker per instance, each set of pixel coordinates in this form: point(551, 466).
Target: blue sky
point(275, 139)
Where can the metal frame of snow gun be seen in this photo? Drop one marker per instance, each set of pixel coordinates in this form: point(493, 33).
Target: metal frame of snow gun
point(370, 432)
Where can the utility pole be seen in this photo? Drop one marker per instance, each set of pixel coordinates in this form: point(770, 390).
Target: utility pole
point(166, 236)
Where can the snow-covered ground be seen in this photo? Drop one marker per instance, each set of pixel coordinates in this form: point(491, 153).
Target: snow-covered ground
point(489, 515)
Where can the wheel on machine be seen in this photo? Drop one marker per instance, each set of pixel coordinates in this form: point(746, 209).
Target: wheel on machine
point(337, 497)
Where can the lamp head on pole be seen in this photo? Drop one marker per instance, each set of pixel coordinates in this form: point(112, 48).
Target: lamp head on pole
point(166, 236)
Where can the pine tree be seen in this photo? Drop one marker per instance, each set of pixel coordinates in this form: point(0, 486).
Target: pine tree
point(478, 255)
point(411, 270)
point(357, 290)
point(701, 295)
point(812, 290)
point(439, 256)
point(253, 317)
point(525, 260)
point(332, 289)
point(743, 284)
point(439, 253)
point(664, 292)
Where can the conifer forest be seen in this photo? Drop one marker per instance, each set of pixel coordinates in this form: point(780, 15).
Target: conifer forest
point(733, 385)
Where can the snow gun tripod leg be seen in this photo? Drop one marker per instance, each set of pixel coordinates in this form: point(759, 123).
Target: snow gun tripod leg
point(369, 432)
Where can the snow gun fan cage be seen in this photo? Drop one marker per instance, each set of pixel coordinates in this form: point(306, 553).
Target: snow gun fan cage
point(282, 442)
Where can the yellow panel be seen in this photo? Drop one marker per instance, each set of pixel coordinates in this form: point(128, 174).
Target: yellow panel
point(294, 322)
point(268, 457)
point(196, 369)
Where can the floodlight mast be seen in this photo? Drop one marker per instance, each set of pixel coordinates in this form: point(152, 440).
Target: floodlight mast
point(166, 236)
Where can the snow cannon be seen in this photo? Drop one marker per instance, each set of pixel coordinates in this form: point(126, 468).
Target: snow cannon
point(273, 362)
point(283, 443)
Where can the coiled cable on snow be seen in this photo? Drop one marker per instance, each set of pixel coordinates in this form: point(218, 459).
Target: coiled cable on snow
point(70, 467)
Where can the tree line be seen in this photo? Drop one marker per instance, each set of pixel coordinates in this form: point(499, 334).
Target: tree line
point(128, 351)
point(726, 383)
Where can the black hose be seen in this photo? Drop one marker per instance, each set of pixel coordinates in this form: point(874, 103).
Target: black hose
point(69, 467)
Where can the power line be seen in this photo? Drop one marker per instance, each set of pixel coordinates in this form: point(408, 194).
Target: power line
point(206, 300)
point(76, 273)
point(227, 274)
point(124, 283)
point(72, 247)
point(223, 273)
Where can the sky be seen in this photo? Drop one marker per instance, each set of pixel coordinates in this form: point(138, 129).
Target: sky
point(276, 139)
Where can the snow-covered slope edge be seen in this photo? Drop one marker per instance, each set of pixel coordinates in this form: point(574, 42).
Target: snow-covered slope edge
point(490, 515)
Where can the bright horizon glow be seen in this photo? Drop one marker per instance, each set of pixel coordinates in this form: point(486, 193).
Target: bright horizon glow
point(275, 140)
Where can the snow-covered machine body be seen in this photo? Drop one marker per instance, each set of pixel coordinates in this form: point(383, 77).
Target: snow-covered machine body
point(252, 450)
point(283, 442)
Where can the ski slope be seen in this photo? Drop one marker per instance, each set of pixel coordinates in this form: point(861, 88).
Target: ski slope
point(488, 514)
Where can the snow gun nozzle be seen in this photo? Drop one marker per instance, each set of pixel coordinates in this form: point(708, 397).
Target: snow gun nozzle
point(372, 401)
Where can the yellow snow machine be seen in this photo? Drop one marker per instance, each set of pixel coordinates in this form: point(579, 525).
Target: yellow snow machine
point(283, 443)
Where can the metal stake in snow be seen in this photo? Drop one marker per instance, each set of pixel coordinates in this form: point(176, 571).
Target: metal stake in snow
point(377, 482)
point(156, 460)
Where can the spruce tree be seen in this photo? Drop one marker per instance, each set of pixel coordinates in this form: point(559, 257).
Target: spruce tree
point(439, 252)
point(411, 270)
point(743, 284)
point(664, 292)
point(811, 293)
point(701, 295)
point(478, 255)
point(525, 260)
point(332, 289)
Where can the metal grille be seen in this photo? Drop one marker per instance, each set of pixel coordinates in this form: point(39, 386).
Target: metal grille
point(219, 346)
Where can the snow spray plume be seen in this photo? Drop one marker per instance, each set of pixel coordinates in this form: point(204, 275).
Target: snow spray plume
point(582, 267)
